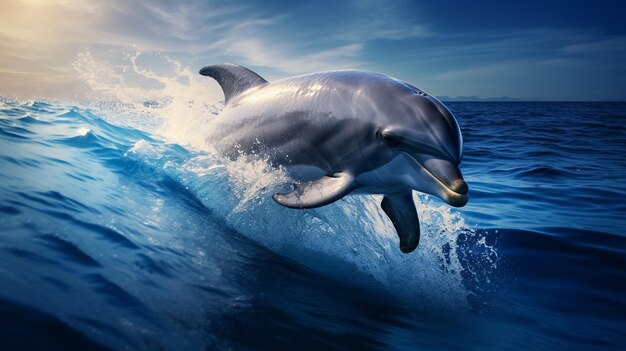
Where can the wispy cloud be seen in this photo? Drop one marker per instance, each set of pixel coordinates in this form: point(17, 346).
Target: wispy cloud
point(52, 33)
point(611, 48)
point(536, 63)
point(258, 52)
point(250, 42)
point(40, 39)
point(373, 21)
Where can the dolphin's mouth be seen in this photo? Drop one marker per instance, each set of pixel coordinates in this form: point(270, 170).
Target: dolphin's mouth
point(452, 186)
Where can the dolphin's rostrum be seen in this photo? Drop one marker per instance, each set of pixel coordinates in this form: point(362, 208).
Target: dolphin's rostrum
point(341, 132)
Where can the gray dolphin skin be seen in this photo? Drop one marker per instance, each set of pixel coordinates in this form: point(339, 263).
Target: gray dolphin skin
point(342, 132)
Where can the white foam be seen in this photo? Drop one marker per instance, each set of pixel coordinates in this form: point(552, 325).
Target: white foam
point(82, 131)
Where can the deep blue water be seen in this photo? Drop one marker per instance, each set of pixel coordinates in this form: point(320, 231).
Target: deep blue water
point(112, 238)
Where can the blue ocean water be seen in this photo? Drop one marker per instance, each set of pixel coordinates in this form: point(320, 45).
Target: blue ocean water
point(113, 237)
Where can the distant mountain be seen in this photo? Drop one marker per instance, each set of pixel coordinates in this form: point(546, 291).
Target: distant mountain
point(476, 98)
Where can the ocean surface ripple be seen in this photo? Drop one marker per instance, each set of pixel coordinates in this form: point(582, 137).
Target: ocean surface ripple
point(114, 237)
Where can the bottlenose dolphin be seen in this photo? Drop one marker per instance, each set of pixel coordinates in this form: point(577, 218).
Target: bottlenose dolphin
point(341, 132)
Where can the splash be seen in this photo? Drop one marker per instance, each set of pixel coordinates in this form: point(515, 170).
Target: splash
point(351, 239)
point(175, 104)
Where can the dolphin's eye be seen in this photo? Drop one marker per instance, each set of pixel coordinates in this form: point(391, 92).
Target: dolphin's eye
point(389, 139)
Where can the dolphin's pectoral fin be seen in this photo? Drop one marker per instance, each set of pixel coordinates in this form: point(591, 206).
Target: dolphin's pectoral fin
point(233, 79)
point(401, 210)
point(320, 192)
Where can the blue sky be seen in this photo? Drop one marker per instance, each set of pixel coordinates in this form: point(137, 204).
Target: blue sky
point(548, 50)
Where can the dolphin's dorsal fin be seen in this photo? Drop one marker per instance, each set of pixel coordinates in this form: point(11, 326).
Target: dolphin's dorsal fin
point(233, 79)
point(320, 192)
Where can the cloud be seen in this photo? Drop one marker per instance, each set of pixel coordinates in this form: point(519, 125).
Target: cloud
point(373, 21)
point(51, 33)
point(39, 40)
point(284, 57)
point(611, 48)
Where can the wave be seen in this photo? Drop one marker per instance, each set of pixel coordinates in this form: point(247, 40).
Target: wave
point(169, 245)
point(350, 240)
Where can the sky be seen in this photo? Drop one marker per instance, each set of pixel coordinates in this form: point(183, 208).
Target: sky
point(529, 50)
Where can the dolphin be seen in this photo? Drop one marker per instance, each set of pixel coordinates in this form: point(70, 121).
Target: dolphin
point(341, 132)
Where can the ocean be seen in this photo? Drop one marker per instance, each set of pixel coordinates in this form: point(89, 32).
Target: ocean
point(116, 235)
